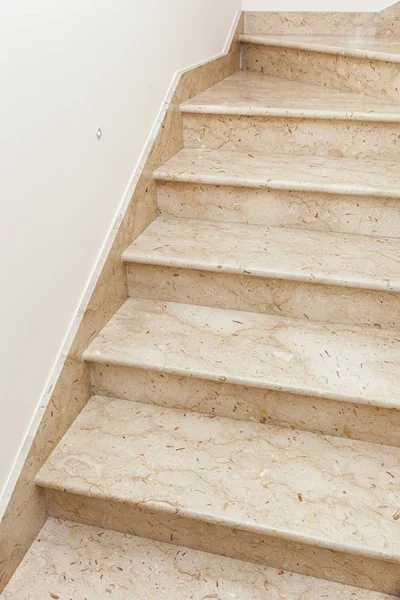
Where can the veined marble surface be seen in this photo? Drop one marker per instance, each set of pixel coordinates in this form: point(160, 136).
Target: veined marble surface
point(295, 254)
point(281, 208)
point(377, 78)
point(370, 47)
point(333, 361)
point(323, 491)
point(311, 23)
point(70, 560)
point(330, 175)
point(254, 94)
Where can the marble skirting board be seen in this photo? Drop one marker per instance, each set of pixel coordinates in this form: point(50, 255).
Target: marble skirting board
point(384, 23)
point(23, 506)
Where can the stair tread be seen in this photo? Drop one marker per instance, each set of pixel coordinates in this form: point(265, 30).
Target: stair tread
point(297, 356)
point(326, 491)
point(296, 254)
point(367, 176)
point(371, 47)
point(254, 94)
point(70, 560)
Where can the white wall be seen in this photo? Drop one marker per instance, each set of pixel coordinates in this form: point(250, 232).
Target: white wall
point(317, 5)
point(66, 68)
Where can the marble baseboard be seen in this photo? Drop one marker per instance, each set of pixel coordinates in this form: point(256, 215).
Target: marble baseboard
point(299, 300)
point(350, 74)
point(23, 509)
point(354, 139)
point(165, 526)
point(281, 208)
point(310, 23)
point(319, 415)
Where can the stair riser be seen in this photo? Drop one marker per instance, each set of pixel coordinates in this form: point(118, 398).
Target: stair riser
point(353, 139)
point(281, 208)
point(310, 23)
point(325, 303)
point(355, 421)
point(351, 74)
point(163, 525)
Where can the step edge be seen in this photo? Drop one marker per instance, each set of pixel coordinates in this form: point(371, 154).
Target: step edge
point(130, 257)
point(161, 175)
point(295, 113)
point(250, 527)
point(90, 356)
point(320, 47)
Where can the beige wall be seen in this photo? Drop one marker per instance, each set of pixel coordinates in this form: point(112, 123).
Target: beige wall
point(68, 67)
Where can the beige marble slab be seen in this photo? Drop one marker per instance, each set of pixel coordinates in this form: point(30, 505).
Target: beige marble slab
point(299, 255)
point(345, 568)
point(296, 356)
point(380, 178)
point(302, 487)
point(311, 23)
point(371, 77)
point(253, 94)
point(23, 508)
point(215, 398)
point(292, 136)
point(280, 297)
point(370, 47)
point(281, 208)
point(73, 560)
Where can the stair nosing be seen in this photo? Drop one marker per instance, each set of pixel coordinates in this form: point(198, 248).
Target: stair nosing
point(280, 42)
point(323, 115)
point(90, 357)
point(250, 527)
point(161, 174)
point(143, 258)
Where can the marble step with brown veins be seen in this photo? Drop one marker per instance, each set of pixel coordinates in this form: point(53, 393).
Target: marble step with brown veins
point(298, 356)
point(367, 65)
point(249, 111)
point(252, 94)
point(371, 47)
point(168, 474)
point(329, 175)
point(78, 561)
point(331, 277)
point(337, 379)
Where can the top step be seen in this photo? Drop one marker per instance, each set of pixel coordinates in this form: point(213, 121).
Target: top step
point(252, 94)
point(372, 48)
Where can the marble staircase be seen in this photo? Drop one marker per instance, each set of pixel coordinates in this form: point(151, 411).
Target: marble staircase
point(243, 438)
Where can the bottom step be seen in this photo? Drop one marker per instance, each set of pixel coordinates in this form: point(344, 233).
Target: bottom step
point(68, 560)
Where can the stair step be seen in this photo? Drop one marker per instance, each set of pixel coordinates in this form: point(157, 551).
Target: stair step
point(327, 277)
point(367, 177)
point(79, 561)
point(339, 362)
point(308, 490)
point(273, 252)
point(252, 94)
point(370, 47)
